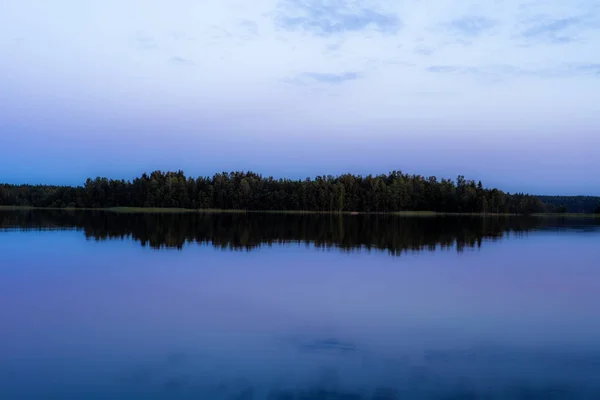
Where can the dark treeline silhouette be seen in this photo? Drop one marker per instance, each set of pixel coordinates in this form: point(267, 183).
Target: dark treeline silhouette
point(249, 191)
point(246, 231)
point(572, 204)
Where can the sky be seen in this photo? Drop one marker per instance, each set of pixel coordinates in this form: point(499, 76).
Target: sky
point(503, 91)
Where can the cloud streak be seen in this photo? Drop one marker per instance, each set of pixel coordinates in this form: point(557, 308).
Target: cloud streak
point(471, 26)
point(326, 18)
point(330, 78)
point(502, 72)
point(181, 61)
point(146, 42)
point(555, 31)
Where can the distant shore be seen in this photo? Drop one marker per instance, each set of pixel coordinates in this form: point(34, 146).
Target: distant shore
point(390, 193)
point(155, 210)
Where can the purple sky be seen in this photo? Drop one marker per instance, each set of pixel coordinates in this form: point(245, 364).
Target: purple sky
point(505, 92)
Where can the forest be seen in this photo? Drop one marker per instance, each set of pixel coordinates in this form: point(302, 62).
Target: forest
point(572, 204)
point(393, 192)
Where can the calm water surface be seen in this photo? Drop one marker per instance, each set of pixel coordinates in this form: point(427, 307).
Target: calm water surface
point(230, 306)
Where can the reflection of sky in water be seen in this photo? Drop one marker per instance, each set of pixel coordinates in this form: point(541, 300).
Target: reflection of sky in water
point(514, 318)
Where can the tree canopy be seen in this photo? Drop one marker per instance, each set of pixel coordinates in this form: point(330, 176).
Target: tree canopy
point(571, 204)
point(393, 192)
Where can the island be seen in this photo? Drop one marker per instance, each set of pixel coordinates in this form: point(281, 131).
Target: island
point(395, 192)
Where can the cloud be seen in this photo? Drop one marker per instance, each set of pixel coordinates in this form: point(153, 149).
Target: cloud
point(423, 50)
point(181, 36)
point(146, 42)
point(325, 78)
point(471, 25)
point(359, 59)
point(555, 31)
point(499, 72)
point(181, 61)
point(585, 69)
point(326, 18)
point(249, 27)
point(333, 47)
point(445, 69)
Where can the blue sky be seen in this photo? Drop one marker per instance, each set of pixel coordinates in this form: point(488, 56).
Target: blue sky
point(502, 91)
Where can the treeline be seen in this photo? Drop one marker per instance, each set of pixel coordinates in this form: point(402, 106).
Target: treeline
point(572, 204)
point(249, 191)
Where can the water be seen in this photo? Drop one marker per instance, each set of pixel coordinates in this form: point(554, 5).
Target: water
point(230, 306)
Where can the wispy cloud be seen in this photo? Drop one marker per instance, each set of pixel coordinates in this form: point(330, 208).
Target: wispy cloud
point(493, 73)
point(447, 69)
point(555, 31)
point(333, 47)
point(248, 27)
point(423, 50)
point(325, 18)
point(325, 78)
point(473, 25)
point(455, 70)
point(181, 61)
point(586, 69)
point(501, 72)
point(146, 42)
point(181, 36)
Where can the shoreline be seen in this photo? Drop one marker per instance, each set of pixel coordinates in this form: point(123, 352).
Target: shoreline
point(152, 210)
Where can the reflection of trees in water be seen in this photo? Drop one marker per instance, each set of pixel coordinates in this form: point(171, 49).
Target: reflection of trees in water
point(246, 231)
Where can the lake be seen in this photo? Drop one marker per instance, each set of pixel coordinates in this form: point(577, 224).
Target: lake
point(104, 305)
